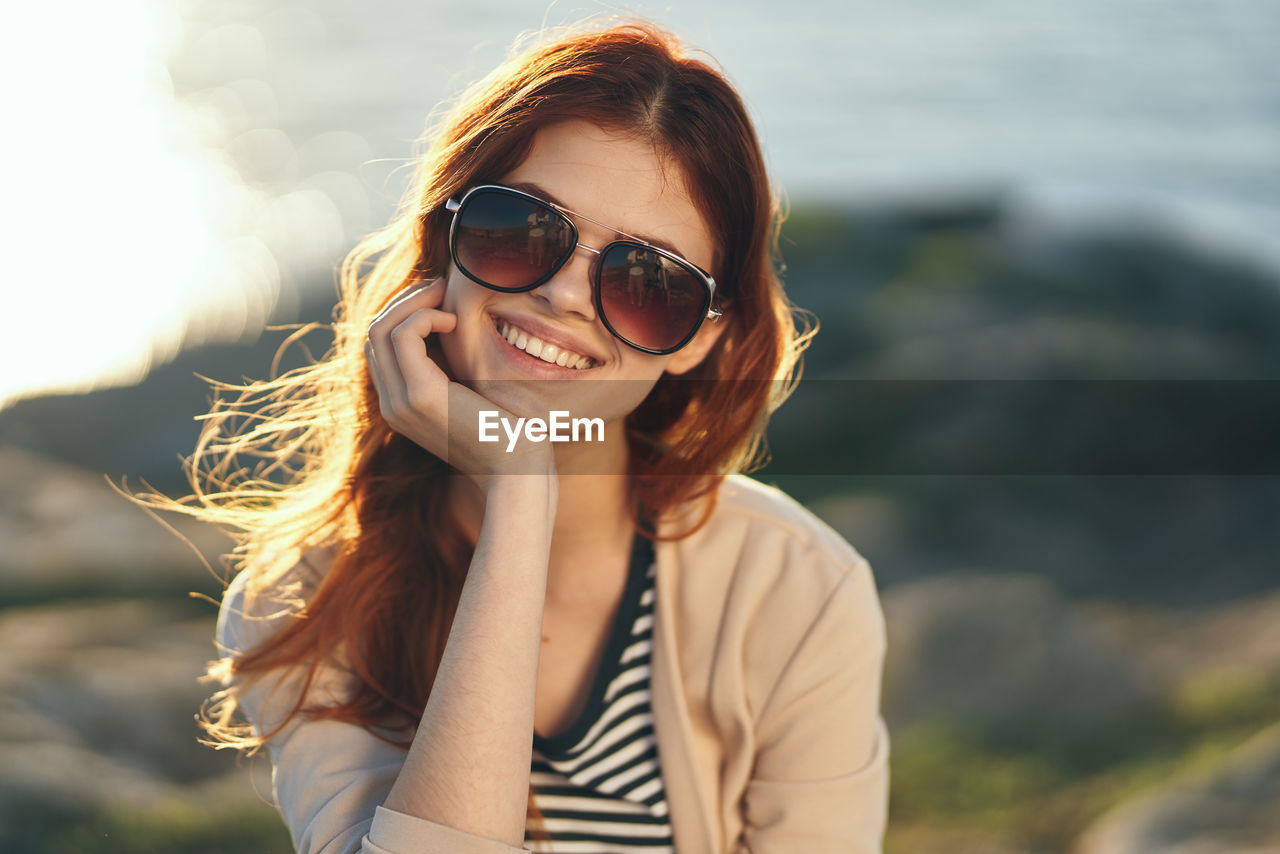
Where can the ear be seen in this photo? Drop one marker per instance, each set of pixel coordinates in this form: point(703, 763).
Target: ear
point(691, 355)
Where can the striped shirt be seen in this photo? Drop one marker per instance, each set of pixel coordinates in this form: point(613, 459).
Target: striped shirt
point(599, 783)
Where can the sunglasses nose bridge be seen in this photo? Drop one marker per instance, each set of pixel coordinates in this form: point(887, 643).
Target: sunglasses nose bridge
point(572, 287)
point(594, 256)
point(593, 260)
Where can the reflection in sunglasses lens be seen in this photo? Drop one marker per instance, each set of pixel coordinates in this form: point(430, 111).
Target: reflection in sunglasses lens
point(647, 298)
point(507, 241)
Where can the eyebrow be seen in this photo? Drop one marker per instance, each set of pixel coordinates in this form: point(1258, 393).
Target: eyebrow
point(542, 193)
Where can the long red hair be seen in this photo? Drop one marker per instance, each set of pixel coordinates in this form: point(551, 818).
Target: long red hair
point(331, 473)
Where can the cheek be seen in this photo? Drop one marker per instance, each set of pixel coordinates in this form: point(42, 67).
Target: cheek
point(623, 393)
point(628, 399)
point(466, 300)
point(455, 288)
point(454, 346)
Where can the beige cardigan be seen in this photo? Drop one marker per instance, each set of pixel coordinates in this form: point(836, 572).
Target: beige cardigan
point(767, 654)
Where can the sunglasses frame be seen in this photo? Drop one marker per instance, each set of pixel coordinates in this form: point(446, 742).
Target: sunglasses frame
point(454, 206)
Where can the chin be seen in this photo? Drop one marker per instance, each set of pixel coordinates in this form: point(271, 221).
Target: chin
point(523, 398)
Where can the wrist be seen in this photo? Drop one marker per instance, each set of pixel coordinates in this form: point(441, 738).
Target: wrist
point(531, 495)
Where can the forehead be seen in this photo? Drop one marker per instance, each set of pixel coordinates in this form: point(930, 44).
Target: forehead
point(619, 181)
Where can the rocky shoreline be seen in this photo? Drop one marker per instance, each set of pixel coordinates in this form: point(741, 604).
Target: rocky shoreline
point(1076, 664)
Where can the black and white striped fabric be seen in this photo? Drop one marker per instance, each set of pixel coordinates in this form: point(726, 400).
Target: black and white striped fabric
point(598, 783)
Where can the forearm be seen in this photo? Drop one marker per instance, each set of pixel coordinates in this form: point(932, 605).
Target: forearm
point(468, 766)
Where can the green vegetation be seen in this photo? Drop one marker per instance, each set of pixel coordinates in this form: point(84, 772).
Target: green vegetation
point(165, 829)
point(955, 782)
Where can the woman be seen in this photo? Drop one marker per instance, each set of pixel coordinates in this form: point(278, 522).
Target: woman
point(613, 639)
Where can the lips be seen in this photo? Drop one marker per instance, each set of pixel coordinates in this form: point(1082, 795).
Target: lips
point(548, 352)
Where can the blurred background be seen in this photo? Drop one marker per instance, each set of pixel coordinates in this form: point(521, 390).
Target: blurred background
point(989, 191)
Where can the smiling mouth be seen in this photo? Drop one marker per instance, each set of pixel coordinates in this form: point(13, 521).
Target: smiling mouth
point(550, 353)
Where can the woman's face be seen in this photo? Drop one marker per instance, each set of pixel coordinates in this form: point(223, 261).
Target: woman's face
point(615, 180)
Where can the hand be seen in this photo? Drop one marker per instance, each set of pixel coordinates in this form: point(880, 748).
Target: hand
point(419, 401)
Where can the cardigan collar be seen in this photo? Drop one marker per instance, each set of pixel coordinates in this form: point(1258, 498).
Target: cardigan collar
point(690, 814)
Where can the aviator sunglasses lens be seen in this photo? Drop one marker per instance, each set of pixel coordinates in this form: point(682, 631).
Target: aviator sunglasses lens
point(649, 299)
point(509, 242)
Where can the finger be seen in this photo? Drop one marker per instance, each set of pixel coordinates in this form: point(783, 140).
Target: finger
point(379, 332)
point(420, 373)
point(419, 295)
point(390, 354)
point(371, 362)
point(387, 377)
point(407, 293)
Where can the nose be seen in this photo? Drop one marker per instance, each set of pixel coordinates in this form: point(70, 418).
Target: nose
point(569, 290)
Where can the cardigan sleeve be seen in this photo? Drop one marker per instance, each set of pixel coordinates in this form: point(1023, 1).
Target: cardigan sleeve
point(821, 778)
point(329, 777)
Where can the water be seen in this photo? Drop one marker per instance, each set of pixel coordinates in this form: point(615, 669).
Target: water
point(280, 132)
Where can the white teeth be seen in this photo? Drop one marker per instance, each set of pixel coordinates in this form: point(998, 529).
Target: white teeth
point(540, 350)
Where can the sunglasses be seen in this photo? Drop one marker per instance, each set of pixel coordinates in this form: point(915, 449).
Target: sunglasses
point(508, 240)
